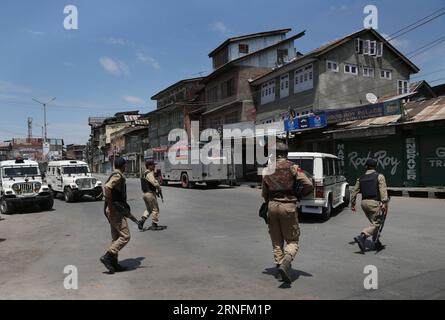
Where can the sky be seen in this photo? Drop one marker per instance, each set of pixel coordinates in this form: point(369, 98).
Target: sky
point(123, 52)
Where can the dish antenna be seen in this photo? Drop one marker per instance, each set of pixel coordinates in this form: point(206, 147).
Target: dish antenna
point(372, 98)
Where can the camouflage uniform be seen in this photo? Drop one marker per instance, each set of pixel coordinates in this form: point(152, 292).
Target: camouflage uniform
point(150, 198)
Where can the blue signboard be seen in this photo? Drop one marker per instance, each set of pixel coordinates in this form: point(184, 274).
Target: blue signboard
point(304, 123)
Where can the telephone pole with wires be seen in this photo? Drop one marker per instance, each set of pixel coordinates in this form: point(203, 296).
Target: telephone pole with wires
point(44, 104)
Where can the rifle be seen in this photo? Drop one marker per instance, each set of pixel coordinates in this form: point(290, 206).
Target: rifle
point(125, 209)
point(379, 232)
point(160, 195)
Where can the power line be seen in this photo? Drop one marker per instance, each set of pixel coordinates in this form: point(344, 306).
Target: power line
point(414, 23)
point(418, 26)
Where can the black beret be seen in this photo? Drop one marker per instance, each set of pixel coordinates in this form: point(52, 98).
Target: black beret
point(371, 163)
point(119, 162)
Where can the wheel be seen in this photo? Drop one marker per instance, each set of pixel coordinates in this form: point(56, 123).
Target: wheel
point(347, 197)
point(326, 211)
point(69, 195)
point(5, 207)
point(185, 182)
point(164, 182)
point(47, 205)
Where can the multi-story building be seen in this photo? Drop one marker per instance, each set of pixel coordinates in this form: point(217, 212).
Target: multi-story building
point(341, 74)
point(173, 108)
point(76, 152)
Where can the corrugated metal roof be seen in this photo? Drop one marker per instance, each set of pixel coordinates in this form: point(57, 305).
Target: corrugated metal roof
point(422, 111)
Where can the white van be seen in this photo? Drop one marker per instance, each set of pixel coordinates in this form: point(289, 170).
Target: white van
point(73, 179)
point(331, 188)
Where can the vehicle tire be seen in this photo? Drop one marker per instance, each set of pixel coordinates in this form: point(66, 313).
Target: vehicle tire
point(347, 197)
point(327, 211)
point(5, 207)
point(69, 195)
point(47, 205)
point(164, 182)
point(213, 184)
point(185, 182)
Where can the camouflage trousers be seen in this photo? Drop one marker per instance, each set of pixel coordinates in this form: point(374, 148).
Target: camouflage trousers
point(120, 233)
point(284, 229)
point(152, 207)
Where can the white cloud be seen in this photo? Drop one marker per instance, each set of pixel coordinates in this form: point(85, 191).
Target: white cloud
point(133, 99)
point(220, 27)
point(117, 41)
point(114, 67)
point(147, 59)
point(34, 32)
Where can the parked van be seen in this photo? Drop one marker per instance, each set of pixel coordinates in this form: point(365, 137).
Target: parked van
point(331, 188)
point(72, 179)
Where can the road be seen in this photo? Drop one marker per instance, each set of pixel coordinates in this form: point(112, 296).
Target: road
point(216, 247)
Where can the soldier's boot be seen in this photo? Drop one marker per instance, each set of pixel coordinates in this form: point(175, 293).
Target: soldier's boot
point(278, 274)
point(155, 227)
point(141, 223)
point(108, 261)
point(117, 266)
point(378, 246)
point(361, 240)
point(285, 269)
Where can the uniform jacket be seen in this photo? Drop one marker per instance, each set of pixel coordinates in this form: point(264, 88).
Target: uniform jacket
point(381, 185)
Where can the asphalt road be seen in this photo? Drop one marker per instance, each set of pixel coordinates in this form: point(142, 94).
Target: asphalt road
point(216, 247)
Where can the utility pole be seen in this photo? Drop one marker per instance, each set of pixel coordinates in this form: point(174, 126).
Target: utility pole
point(44, 104)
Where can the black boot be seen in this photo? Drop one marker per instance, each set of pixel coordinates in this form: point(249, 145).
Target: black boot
point(117, 266)
point(361, 240)
point(155, 227)
point(141, 223)
point(285, 269)
point(378, 246)
point(109, 261)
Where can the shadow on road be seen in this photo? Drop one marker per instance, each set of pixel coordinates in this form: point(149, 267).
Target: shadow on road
point(1, 240)
point(295, 274)
point(132, 264)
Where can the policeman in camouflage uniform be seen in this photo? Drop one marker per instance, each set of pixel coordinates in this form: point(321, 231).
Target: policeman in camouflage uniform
point(150, 197)
point(116, 199)
point(278, 190)
point(372, 186)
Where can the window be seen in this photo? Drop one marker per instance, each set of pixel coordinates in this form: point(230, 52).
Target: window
point(228, 88)
point(212, 94)
point(368, 72)
point(282, 56)
point(304, 79)
point(284, 85)
point(243, 48)
point(358, 46)
point(268, 92)
point(366, 47)
point(351, 69)
point(332, 66)
point(402, 87)
point(379, 52)
point(386, 74)
point(372, 48)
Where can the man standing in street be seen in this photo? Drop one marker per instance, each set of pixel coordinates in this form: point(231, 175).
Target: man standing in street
point(115, 211)
point(372, 186)
point(279, 191)
point(151, 188)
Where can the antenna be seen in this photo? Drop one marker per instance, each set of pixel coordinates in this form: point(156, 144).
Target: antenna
point(29, 128)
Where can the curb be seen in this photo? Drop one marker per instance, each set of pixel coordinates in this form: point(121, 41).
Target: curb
point(417, 193)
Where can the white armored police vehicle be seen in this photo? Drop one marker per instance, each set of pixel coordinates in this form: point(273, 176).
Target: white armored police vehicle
point(73, 179)
point(21, 183)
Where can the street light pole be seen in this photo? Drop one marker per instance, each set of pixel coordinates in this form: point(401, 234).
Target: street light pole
point(44, 104)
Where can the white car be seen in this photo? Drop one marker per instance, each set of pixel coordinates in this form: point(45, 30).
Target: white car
point(73, 179)
point(331, 189)
point(21, 183)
